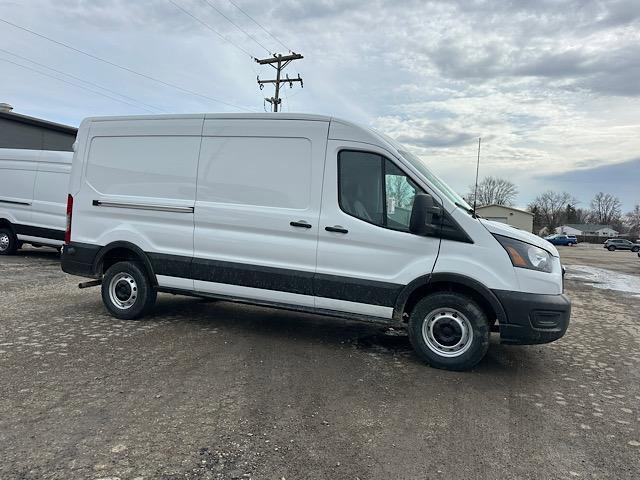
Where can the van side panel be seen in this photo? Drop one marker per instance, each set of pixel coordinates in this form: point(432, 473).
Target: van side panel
point(138, 185)
point(17, 177)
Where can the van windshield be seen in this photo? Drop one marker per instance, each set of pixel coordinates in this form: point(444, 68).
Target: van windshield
point(436, 181)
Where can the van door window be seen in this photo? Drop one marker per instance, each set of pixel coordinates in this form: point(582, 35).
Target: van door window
point(400, 192)
point(373, 189)
point(361, 191)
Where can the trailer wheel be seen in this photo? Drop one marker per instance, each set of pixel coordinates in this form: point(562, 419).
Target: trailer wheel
point(127, 292)
point(449, 330)
point(8, 242)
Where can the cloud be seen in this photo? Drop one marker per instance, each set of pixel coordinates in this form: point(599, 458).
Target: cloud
point(551, 86)
point(620, 179)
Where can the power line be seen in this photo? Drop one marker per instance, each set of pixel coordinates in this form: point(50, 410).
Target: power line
point(238, 26)
point(80, 79)
point(256, 22)
point(126, 69)
point(205, 24)
point(75, 84)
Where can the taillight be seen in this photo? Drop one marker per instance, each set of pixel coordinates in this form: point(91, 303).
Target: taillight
point(67, 233)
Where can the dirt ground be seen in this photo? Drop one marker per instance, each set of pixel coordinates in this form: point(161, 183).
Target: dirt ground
point(216, 390)
point(588, 254)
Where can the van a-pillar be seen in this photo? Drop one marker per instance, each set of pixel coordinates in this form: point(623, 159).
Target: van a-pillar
point(279, 63)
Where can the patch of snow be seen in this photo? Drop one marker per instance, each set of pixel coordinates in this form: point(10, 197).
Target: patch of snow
point(606, 279)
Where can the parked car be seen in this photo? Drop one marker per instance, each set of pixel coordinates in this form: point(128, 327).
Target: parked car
point(33, 191)
point(621, 244)
point(562, 239)
point(306, 213)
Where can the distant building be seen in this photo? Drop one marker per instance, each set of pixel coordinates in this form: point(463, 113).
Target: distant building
point(511, 216)
point(587, 229)
point(21, 131)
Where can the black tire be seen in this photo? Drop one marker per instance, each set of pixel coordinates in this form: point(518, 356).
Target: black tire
point(611, 248)
point(8, 242)
point(635, 249)
point(444, 304)
point(132, 288)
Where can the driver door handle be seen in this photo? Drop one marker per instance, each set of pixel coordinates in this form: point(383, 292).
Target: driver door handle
point(336, 229)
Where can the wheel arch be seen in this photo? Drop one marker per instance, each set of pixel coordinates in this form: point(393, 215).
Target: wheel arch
point(122, 251)
point(455, 282)
point(6, 223)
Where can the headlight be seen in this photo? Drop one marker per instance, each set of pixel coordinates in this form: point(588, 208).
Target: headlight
point(525, 255)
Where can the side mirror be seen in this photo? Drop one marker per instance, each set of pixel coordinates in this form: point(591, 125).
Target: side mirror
point(421, 222)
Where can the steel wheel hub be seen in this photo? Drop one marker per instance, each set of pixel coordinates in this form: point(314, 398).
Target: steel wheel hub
point(123, 290)
point(447, 332)
point(4, 241)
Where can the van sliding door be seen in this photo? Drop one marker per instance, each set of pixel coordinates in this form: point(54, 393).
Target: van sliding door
point(257, 209)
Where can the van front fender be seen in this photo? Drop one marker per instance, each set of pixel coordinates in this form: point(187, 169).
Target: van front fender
point(431, 282)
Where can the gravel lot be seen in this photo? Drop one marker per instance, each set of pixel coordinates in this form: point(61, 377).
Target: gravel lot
point(216, 390)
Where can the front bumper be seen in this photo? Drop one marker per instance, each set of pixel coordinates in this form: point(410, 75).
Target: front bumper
point(533, 318)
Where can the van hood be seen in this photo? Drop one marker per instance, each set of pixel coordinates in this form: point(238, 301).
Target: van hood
point(512, 232)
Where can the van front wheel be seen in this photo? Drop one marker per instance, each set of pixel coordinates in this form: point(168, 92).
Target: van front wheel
point(449, 330)
point(126, 291)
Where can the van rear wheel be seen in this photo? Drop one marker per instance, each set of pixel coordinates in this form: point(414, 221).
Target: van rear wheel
point(127, 291)
point(449, 330)
point(8, 242)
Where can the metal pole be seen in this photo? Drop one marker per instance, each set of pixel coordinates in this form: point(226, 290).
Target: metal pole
point(275, 104)
point(475, 192)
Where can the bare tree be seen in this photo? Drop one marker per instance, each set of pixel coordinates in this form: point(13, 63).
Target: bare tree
point(493, 190)
point(605, 209)
point(632, 220)
point(400, 190)
point(550, 208)
point(581, 215)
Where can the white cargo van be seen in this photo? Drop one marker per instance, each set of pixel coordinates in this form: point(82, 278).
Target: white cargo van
point(302, 212)
point(33, 197)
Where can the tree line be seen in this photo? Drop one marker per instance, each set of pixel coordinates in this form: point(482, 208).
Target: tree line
point(553, 208)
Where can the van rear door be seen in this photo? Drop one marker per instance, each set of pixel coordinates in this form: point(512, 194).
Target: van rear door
point(257, 208)
point(50, 195)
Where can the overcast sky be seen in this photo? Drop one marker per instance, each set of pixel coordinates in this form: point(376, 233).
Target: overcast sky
point(553, 87)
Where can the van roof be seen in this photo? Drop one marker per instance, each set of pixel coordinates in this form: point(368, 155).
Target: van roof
point(339, 130)
point(235, 116)
point(24, 155)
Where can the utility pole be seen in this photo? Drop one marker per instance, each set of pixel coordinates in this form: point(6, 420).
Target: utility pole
point(279, 62)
